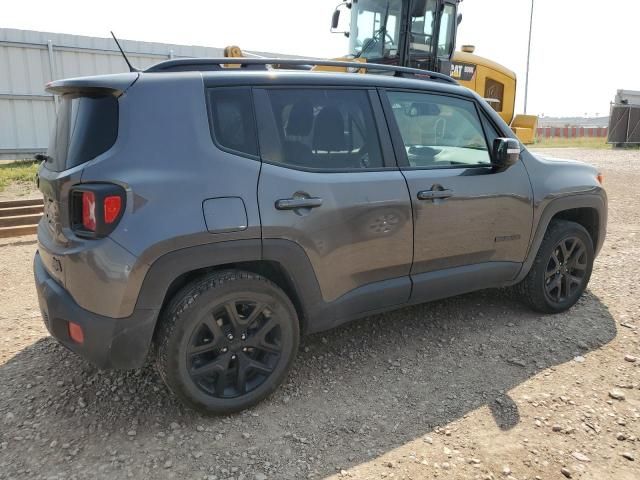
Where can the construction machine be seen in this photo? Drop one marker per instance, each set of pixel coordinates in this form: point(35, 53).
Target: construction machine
point(422, 34)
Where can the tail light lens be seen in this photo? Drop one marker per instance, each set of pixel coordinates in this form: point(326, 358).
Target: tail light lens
point(96, 209)
point(112, 207)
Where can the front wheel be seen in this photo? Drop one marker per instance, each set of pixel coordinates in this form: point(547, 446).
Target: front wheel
point(561, 270)
point(227, 341)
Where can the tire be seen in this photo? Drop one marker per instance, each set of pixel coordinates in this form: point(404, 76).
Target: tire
point(217, 361)
point(544, 288)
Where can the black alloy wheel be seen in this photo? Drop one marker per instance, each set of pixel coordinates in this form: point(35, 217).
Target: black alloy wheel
point(566, 270)
point(235, 348)
point(561, 268)
point(227, 341)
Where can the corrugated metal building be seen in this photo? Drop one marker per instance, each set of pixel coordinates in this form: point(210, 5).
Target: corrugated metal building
point(28, 60)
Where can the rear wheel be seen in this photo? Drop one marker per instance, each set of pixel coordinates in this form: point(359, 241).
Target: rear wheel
point(227, 341)
point(561, 270)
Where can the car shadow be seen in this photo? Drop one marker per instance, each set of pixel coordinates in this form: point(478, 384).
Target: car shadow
point(354, 392)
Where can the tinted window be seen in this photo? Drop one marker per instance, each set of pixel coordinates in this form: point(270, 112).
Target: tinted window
point(439, 131)
point(319, 129)
point(85, 127)
point(231, 119)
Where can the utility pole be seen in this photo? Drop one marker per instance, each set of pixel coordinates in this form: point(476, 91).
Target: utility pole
point(526, 84)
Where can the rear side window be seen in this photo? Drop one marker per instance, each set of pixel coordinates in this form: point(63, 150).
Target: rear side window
point(320, 129)
point(231, 119)
point(86, 126)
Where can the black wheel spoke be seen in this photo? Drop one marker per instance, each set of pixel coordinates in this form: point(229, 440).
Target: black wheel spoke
point(259, 367)
point(566, 281)
point(219, 365)
point(221, 383)
point(232, 314)
point(255, 313)
point(242, 365)
point(207, 347)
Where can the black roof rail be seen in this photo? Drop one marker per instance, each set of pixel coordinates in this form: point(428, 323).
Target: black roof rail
point(217, 64)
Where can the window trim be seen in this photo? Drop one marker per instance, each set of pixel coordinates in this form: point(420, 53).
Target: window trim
point(210, 117)
point(386, 151)
point(398, 142)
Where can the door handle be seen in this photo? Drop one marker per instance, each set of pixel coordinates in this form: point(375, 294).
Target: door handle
point(434, 194)
point(296, 203)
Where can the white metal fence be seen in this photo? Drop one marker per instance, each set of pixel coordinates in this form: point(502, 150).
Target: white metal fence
point(29, 60)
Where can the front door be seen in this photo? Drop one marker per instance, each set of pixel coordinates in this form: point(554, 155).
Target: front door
point(327, 185)
point(472, 223)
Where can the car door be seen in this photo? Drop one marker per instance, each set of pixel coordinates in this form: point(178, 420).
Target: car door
point(472, 223)
point(330, 186)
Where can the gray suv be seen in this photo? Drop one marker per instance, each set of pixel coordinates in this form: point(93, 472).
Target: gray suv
point(208, 216)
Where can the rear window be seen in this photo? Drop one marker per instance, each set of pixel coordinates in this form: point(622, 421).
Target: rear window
point(86, 126)
point(231, 119)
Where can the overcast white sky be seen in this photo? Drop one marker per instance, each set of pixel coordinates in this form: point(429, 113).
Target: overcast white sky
point(583, 50)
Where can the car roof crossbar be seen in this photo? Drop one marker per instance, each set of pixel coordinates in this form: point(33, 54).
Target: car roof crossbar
point(218, 64)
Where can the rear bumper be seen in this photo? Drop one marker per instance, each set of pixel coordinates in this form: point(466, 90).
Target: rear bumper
point(120, 343)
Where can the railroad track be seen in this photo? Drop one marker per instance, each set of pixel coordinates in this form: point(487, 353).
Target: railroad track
point(20, 217)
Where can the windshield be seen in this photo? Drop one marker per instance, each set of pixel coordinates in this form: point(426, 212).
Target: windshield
point(375, 28)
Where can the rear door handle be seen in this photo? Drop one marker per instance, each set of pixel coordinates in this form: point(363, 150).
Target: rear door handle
point(434, 194)
point(295, 203)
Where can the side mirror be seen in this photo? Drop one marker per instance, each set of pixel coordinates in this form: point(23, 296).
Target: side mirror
point(459, 19)
point(506, 152)
point(335, 19)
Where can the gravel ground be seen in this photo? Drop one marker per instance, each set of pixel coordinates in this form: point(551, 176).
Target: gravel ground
point(475, 387)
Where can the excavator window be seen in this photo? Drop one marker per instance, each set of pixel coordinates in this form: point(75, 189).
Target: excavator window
point(375, 28)
point(494, 93)
point(447, 28)
point(422, 28)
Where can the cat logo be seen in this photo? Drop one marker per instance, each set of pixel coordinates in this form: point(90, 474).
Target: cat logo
point(463, 71)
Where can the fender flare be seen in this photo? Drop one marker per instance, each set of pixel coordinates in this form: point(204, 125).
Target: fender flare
point(290, 257)
point(555, 206)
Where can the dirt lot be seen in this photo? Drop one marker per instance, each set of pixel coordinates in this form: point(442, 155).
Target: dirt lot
point(473, 387)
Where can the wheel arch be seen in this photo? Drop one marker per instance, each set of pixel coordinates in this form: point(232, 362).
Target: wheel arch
point(588, 210)
point(281, 261)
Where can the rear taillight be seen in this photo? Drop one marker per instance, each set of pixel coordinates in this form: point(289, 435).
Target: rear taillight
point(96, 209)
point(112, 207)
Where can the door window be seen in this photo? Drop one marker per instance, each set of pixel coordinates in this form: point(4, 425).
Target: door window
point(439, 131)
point(318, 129)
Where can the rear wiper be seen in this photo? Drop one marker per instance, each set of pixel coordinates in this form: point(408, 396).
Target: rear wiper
point(42, 157)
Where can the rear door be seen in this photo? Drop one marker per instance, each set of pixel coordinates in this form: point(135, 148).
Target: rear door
point(329, 183)
point(470, 220)
point(86, 126)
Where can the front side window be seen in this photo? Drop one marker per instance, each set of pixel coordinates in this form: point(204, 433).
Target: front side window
point(318, 129)
point(439, 131)
point(231, 119)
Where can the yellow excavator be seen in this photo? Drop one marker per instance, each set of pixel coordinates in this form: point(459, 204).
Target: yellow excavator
point(422, 34)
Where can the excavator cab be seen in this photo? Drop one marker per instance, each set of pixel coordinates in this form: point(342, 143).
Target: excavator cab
point(413, 33)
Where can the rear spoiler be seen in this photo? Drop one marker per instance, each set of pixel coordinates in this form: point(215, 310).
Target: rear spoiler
point(115, 84)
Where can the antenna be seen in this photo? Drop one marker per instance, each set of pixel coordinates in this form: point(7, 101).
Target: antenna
point(131, 67)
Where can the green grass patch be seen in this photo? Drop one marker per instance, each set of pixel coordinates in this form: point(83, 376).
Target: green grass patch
point(582, 142)
point(17, 172)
